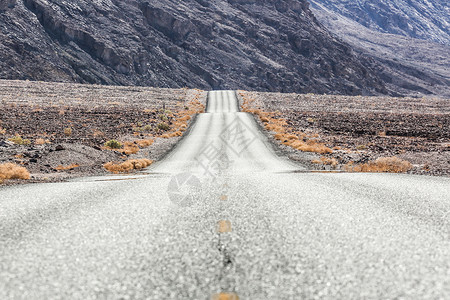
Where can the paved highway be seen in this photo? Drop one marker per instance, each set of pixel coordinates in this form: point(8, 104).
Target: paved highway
point(223, 217)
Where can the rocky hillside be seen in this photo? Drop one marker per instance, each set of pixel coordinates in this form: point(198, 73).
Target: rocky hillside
point(410, 65)
point(268, 45)
point(422, 19)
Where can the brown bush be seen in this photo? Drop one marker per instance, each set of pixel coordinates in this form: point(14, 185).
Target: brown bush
point(67, 132)
point(144, 143)
point(382, 164)
point(13, 171)
point(326, 161)
point(127, 166)
point(65, 168)
point(129, 148)
point(182, 118)
point(39, 141)
point(282, 131)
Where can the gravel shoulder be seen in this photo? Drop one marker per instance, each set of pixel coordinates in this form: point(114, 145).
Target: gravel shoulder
point(63, 125)
point(362, 129)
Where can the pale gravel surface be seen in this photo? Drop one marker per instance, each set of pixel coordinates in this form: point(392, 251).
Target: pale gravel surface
point(295, 235)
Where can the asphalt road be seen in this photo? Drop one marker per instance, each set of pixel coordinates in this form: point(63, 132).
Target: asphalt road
point(223, 217)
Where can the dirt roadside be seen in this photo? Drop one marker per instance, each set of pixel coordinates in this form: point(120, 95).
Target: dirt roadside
point(352, 133)
point(58, 131)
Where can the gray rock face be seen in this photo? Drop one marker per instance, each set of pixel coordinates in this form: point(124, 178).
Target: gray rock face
point(260, 45)
point(422, 19)
point(412, 66)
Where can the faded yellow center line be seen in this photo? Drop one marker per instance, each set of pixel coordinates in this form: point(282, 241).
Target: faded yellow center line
point(224, 226)
point(225, 296)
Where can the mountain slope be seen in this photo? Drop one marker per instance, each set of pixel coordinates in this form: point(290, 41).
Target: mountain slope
point(410, 66)
point(422, 19)
point(261, 45)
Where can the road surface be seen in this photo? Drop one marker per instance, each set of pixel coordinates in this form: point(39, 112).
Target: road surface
point(223, 217)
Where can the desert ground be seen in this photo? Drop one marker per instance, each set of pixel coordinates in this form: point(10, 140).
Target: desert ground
point(359, 130)
point(59, 131)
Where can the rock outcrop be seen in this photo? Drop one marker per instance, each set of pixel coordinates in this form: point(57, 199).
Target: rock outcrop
point(262, 45)
point(420, 19)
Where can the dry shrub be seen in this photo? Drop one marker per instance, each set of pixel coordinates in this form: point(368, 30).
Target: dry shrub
point(282, 131)
point(39, 142)
point(13, 171)
point(285, 137)
point(172, 134)
point(68, 131)
point(182, 118)
point(66, 168)
point(382, 164)
point(127, 166)
point(163, 126)
point(18, 140)
point(275, 128)
point(113, 144)
point(129, 148)
point(310, 146)
point(144, 143)
point(326, 161)
point(316, 147)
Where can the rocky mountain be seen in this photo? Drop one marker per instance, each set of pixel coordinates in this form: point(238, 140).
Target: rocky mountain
point(267, 45)
point(410, 65)
point(421, 19)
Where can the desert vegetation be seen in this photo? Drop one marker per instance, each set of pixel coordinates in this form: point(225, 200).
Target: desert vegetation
point(358, 134)
point(65, 168)
point(127, 166)
point(13, 171)
point(381, 164)
point(282, 131)
point(74, 130)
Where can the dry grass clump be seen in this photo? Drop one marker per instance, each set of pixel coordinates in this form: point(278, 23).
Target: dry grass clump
point(127, 166)
point(66, 168)
point(310, 146)
point(128, 148)
point(381, 165)
point(113, 144)
point(41, 141)
point(144, 143)
point(68, 131)
point(326, 161)
point(283, 132)
point(172, 134)
point(179, 125)
point(13, 171)
point(18, 140)
point(163, 126)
